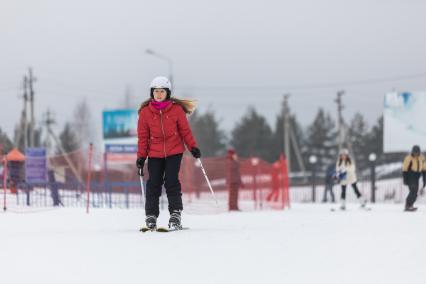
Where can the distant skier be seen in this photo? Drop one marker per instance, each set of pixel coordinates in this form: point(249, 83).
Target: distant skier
point(413, 167)
point(329, 182)
point(163, 129)
point(346, 175)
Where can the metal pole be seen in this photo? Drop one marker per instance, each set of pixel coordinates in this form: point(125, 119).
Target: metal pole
point(208, 181)
point(142, 189)
point(89, 172)
point(4, 182)
point(67, 159)
point(24, 115)
point(31, 80)
point(105, 179)
point(254, 186)
point(314, 175)
point(373, 182)
point(297, 152)
point(260, 189)
point(27, 191)
point(286, 127)
point(340, 107)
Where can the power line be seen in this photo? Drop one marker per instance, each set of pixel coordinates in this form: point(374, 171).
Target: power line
point(72, 87)
point(307, 86)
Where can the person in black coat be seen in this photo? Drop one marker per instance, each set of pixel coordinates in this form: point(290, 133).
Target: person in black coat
point(329, 182)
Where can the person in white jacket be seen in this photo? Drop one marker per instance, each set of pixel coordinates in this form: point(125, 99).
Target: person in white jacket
point(346, 175)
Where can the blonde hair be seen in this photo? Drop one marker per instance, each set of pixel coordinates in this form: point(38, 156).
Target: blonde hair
point(188, 106)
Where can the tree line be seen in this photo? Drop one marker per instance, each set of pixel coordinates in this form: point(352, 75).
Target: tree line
point(252, 136)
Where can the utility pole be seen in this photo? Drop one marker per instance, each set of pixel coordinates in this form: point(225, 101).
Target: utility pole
point(286, 132)
point(342, 128)
point(22, 131)
point(290, 138)
point(340, 123)
point(24, 113)
point(128, 98)
point(297, 152)
point(31, 80)
point(49, 120)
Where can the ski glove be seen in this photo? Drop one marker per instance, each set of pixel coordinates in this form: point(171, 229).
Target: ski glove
point(405, 177)
point(196, 153)
point(140, 162)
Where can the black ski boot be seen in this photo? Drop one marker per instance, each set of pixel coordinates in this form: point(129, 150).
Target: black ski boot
point(175, 220)
point(410, 209)
point(151, 222)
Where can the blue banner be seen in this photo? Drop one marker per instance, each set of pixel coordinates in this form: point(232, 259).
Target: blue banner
point(35, 165)
point(119, 124)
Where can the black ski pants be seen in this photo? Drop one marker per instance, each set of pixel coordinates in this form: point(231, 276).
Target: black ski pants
point(163, 171)
point(412, 195)
point(355, 187)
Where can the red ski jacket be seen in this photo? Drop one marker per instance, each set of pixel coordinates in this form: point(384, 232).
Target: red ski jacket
point(163, 133)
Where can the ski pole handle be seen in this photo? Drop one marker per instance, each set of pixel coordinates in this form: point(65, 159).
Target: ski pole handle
point(208, 181)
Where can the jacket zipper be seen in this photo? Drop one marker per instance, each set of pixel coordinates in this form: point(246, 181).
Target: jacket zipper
point(164, 134)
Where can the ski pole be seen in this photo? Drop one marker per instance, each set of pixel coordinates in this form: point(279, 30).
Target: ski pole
point(142, 188)
point(208, 181)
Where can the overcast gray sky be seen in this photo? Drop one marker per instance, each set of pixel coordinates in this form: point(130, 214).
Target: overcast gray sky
point(227, 54)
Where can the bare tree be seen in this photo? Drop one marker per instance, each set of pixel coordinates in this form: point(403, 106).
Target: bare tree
point(83, 124)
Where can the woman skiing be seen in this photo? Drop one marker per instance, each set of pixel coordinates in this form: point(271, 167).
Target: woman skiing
point(346, 175)
point(163, 129)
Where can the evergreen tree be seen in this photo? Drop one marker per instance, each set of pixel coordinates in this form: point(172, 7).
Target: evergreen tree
point(252, 136)
point(210, 138)
point(68, 139)
point(358, 135)
point(375, 138)
point(5, 142)
point(278, 140)
point(375, 145)
point(321, 140)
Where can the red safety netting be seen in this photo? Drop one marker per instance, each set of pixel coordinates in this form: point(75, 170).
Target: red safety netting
point(112, 181)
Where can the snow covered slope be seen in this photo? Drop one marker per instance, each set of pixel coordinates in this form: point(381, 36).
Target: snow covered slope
point(307, 244)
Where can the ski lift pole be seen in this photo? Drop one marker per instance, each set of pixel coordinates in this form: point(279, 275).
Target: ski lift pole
point(208, 181)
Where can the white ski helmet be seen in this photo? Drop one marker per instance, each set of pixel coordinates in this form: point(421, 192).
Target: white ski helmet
point(344, 152)
point(161, 82)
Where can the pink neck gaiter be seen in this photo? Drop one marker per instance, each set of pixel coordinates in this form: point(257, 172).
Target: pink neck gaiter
point(160, 105)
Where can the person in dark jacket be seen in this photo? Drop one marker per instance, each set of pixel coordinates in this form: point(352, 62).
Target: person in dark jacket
point(163, 132)
point(233, 179)
point(413, 167)
point(329, 181)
